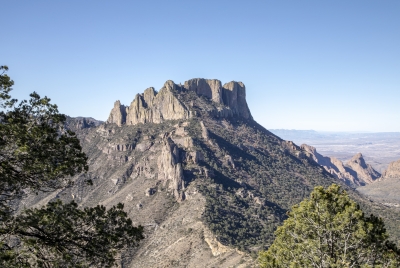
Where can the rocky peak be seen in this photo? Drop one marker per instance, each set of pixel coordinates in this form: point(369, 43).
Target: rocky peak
point(393, 170)
point(170, 103)
point(355, 172)
point(364, 171)
point(117, 114)
point(232, 94)
point(210, 88)
point(357, 160)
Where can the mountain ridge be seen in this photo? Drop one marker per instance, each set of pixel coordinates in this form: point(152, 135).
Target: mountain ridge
point(210, 186)
point(354, 172)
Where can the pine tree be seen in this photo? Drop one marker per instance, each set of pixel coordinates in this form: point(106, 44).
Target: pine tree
point(330, 230)
point(38, 155)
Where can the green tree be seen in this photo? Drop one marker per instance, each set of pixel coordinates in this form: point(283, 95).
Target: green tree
point(37, 154)
point(330, 230)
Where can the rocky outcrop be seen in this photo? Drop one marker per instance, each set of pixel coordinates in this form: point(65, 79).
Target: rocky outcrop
point(232, 95)
point(153, 107)
point(117, 114)
point(355, 172)
point(167, 104)
point(393, 171)
point(170, 168)
point(210, 88)
point(365, 172)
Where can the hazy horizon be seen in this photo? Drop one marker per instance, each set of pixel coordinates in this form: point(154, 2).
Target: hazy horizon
point(331, 66)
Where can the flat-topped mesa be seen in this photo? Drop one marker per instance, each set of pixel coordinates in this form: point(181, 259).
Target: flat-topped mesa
point(153, 107)
point(232, 94)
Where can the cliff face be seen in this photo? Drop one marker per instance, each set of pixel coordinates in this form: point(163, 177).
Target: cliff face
point(117, 114)
point(365, 172)
point(209, 184)
point(393, 170)
point(156, 107)
point(355, 172)
point(232, 95)
point(153, 107)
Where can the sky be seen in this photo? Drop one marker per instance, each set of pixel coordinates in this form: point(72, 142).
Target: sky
point(321, 65)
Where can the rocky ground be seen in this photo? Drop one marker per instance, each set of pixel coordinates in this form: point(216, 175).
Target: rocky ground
point(207, 182)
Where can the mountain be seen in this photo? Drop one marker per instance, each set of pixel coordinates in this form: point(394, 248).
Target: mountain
point(379, 148)
point(209, 184)
point(355, 172)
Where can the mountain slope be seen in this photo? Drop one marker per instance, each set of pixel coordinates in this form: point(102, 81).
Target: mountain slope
point(356, 172)
point(209, 184)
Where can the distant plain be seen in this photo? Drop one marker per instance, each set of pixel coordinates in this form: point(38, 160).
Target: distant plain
point(378, 149)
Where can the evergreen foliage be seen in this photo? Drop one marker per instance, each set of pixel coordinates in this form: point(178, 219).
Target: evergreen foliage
point(328, 229)
point(38, 154)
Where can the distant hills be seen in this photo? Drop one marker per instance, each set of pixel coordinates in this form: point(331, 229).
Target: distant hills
point(378, 149)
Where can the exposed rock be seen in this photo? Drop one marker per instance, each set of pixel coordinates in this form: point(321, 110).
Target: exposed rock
point(229, 161)
point(393, 171)
point(195, 157)
point(117, 114)
point(210, 88)
point(194, 160)
point(216, 247)
point(143, 146)
point(234, 96)
point(204, 131)
point(153, 107)
point(355, 172)
point(365, 172)
point(170, 168)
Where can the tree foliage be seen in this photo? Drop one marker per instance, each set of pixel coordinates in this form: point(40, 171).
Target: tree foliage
point(330, 230)
point(37, 154)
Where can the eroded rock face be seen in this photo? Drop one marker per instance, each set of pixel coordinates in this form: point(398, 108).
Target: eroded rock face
point(117, 114)
point(393, 171)
point(210, 88)
point(364, 171)
point(153, 107)
point(170, 168)
point(355, 172)
point(234, 96)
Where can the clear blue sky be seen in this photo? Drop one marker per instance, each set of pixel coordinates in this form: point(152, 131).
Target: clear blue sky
point(322, 65)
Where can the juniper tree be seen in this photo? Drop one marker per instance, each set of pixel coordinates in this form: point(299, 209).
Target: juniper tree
point(330, 230)
point(37, 154)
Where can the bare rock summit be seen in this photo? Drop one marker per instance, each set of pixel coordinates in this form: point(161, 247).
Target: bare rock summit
point(174, 102)
point(365, 172)
point(355, 172)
